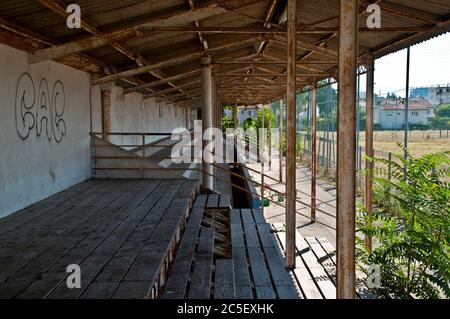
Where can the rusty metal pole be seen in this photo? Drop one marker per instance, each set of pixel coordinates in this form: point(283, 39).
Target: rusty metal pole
point(235, 116)
point(346, 159)
point(207, 119)
point(270, 136)
point(313, 150)
point(369, 143)
point(290, 134)
point(281, 141)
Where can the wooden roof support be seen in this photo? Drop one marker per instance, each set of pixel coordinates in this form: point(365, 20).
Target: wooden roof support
point(202, 40)
point(369, 144)
point(177, 60)
point(164, 81)
point(346, 155)
point(38, 41)
point(170, 90)
point(139, 59)
point(291, 136)
point(100, 39)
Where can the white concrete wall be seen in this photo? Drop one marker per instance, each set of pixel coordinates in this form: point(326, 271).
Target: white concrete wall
point(388, 119)
point(130, 113)
point(34, 168)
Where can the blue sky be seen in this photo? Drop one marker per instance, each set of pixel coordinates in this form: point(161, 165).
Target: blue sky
point(430, 65)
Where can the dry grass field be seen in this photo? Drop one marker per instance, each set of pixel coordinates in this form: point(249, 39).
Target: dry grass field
point(419, 142)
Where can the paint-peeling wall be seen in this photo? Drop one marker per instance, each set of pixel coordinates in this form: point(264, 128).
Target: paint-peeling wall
point(44, 121)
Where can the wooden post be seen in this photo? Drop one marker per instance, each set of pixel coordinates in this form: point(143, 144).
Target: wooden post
point(346, 157)
point(207, 118)
point(106, 114)
point(369, 144)
point(290, 135)
point(313, 150)
point(281, 141)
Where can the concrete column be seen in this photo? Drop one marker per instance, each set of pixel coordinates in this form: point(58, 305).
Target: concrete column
point(346, 156)
point(291, 134)
point(207, 119)
point(369, 142)
point(106, 113)
point(313, 150)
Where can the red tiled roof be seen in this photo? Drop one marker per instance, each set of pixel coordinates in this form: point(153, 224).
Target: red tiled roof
point(414, 104)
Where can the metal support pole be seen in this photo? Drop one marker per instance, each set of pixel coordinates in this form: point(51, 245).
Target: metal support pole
point(290, 134)
point(346, 157)
point(207, 119)
point(358, 129)
point(408, 55)
point(235, 116)
point(281, 141)
point(270, 136)
point(369, 144)
point(313, 150)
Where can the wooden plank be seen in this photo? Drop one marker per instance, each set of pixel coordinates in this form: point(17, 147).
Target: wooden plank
point(258, 216)
point(305, 281)
point(241, 274)
point(362, 290)
point(235, 216)
point(266, 236)
point(132, 290)
point(177, 282)
point(104, 251)
point(200, 287)
point(40, 288)
point(213, 201)
point(251, 236)
point(244, 292)
point(224, 280)
point(247, 216)
point(237, 236)
point(225, 201)
point(258, 267)
point(265, 292)
point(321, 278)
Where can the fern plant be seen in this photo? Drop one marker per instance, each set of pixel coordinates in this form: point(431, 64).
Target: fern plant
point(410, 227)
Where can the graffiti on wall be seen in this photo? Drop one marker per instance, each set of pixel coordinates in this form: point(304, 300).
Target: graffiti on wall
point(40, 109)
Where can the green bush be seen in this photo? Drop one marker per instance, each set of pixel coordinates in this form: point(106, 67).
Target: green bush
point(410, 227)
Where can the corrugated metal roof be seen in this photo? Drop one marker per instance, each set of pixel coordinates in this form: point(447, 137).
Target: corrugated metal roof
point(111, 15)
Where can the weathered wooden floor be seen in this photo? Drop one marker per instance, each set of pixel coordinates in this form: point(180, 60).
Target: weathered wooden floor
point(254, 269)
point(315, 272)
point(122, 233)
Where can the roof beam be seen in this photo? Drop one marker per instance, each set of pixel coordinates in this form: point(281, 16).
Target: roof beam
point(100, 39)
point(175, 61)
point(35, 41)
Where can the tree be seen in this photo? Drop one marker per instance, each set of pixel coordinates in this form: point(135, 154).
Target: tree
point(441, 120)
point(410, 227)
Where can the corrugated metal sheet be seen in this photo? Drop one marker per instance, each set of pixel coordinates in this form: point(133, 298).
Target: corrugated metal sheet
point(107, 15)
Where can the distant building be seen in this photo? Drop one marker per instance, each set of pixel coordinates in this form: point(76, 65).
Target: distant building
point(247, 112)
point(390, 113)
point(434, 94)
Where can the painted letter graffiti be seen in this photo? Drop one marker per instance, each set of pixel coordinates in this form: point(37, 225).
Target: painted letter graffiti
point(40, 110)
